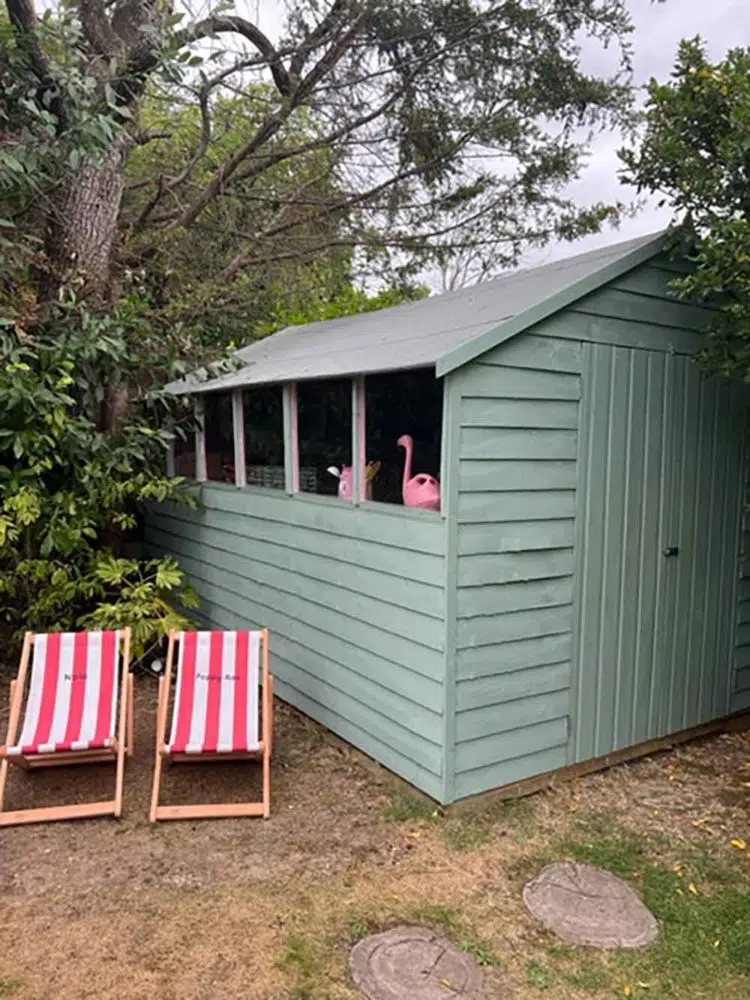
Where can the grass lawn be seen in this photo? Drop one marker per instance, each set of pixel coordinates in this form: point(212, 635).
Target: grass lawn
point(228, 909)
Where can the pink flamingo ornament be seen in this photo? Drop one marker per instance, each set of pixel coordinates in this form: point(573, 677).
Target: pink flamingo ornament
point(346, 478)
point(422, 490)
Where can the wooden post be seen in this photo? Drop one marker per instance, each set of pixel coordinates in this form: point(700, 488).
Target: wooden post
point(291, 438)
point(266, 721)
point(359, 439)
point(17, 690)
point(238, 428)
point(445, 455)
point(170, 460)
point(122, 728)
point(161, 725)
point(200, 444)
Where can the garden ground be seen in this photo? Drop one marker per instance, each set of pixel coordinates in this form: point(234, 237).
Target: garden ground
point(269, 910)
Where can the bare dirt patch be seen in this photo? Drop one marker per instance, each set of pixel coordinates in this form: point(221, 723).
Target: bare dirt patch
point(270, 910)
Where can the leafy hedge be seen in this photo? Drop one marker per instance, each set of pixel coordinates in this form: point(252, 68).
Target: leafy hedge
point(72, 486)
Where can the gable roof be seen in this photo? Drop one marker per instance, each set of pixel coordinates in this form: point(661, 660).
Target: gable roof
point(446, 331)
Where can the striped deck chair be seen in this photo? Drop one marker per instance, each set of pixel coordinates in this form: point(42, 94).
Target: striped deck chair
point(79, 710)
point(215, 714)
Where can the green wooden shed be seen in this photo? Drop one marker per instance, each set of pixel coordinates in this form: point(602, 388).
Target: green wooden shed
point(585, 586)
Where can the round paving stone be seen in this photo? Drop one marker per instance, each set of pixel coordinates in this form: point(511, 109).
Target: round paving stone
point(413, 963)
point(588, 905)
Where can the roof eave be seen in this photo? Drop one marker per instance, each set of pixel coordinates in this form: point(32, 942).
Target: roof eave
point(509, 328)
point(183, 387)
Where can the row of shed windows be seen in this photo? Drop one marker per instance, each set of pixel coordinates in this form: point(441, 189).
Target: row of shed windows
point(396, 417)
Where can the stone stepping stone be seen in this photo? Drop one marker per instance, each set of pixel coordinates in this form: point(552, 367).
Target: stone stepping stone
point(587, 905)
point(413, 963)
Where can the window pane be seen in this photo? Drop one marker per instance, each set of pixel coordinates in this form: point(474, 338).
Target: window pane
point(184, 453)
point(219, 437)
point(325, 432)
point(264, 436)
point(401, 403)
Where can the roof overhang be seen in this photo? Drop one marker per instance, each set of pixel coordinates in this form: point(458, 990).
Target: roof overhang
point(446, 350)
point(511, 327)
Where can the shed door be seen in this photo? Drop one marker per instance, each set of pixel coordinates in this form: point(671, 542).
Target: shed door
point(661, 461)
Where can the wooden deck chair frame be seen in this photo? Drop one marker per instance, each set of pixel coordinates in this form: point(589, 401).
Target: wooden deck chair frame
point(263, 751)
point(122, 745)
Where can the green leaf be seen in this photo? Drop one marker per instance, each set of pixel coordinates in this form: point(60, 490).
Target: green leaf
point(168, 575)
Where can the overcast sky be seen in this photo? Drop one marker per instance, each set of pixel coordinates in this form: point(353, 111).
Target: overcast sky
point(658, 30)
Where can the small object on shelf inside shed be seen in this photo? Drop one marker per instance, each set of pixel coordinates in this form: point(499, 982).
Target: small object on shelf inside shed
point(422, 490)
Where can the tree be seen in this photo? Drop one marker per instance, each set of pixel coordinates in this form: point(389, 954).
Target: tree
point(72, 481)
point(71, 491)
point(696, 153)
point(182, 280)
point(400, 132)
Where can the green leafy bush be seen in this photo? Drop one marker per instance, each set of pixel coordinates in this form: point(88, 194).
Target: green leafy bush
point(695, 152)
point(141, 590)
point(72, 486)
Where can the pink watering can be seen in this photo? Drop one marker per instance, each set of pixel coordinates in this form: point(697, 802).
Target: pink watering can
point(422, 490)
point(345, 477)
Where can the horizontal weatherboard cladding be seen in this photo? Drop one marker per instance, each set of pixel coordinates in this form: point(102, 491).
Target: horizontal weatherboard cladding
point(514, 566)
point(506, 770)
point(507, 657)
point(514, 475)
point(513, 742)
point(518, 383)
point(522, 413)
point(517, 478)
point(354, 600)
point(326, 559)
point(516, 536)
point(493, 506)
point(362, 609)
point(500, 443)
point(497, 598)
point(529, 709)
point(512, 686)
point(489, 630)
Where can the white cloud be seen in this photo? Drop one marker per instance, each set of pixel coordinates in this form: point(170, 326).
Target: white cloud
point(659, 28)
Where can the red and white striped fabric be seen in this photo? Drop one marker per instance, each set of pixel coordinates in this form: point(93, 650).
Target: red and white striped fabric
point(216, 701)
point(72, 698)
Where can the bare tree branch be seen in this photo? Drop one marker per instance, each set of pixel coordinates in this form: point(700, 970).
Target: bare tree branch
point(344, 204)
point(326, 63)
point(168, 184)
point(149, 135)
point(218, 25)
point(266, 131)
point(319, 35)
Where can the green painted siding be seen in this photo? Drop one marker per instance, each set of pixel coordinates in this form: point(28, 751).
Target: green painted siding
point(354, 599)
point(740, 686)
point(538, 621)
point(661, 466)
point(586, 446)
point(516, 464)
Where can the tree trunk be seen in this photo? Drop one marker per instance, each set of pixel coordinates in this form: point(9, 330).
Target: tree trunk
point(82, 239)
point(82, 230)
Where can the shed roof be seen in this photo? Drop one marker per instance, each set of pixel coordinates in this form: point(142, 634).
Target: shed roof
point(444, 330)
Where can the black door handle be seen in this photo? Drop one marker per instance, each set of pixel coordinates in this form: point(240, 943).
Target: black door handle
point(671, 550)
